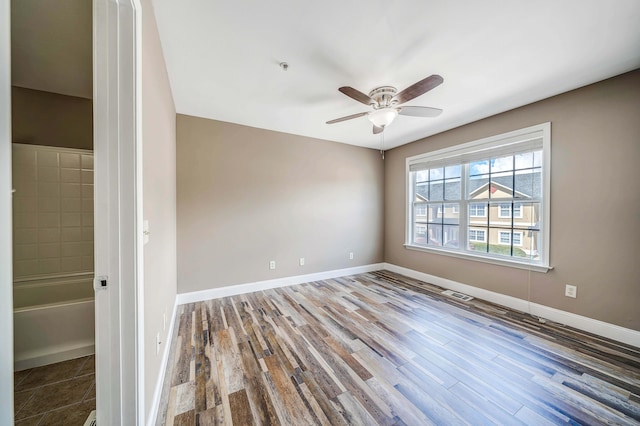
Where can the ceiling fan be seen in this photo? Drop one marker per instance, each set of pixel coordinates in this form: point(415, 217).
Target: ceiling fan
point(386, 102)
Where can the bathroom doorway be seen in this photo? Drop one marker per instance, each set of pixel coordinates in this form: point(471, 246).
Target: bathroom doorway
point(52, 179)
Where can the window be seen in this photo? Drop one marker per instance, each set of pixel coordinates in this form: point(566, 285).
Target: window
point(505, 237)
point(477, 210)
point(476, 235)
point(505, 210)
point(485, 200)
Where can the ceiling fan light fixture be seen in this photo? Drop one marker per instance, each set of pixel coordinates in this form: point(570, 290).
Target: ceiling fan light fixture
point(382, 117)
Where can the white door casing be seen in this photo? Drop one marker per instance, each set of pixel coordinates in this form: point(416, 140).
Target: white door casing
point(116, 60)
point(6, 260)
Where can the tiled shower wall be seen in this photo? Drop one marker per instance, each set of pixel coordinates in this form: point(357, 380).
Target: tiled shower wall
point(53, 211)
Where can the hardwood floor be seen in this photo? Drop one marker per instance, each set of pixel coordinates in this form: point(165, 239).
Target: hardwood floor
point(381, 348)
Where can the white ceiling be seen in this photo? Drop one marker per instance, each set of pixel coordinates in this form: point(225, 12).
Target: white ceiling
point(223, 56)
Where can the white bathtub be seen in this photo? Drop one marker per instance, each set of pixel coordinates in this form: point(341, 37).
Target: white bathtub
point(53, 332)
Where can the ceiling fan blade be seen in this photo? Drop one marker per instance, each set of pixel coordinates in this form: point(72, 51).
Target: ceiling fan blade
point(419, 111)
point(357, 95)
point(377, 129)
point(419, 88)
point(348, 117)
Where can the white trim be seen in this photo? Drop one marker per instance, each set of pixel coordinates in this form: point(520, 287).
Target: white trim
point(601, 328)
point(116, 118)
point(52, 358)
point(6, 257)
point(233, 290)
point(509, 262)
point(157, 394)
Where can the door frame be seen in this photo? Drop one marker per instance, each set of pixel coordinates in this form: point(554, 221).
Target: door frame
point(6, 256)
point(117, 143)
point(118, 207)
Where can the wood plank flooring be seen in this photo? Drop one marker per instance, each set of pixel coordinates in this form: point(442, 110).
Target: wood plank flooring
point(381, 348)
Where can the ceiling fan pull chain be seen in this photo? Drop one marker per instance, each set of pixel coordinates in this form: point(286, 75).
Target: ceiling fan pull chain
point(382, 144)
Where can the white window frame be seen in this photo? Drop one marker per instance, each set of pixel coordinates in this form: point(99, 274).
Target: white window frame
point(532, 138)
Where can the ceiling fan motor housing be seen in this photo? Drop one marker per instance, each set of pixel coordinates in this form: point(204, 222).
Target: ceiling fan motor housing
point(383, 96)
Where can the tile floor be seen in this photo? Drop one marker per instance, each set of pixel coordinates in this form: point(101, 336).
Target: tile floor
point(56, 394)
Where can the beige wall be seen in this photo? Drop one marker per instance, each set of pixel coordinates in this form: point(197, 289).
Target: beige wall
point(159, 198)
point(247, 196)
point(43, 118)
point(595, 203)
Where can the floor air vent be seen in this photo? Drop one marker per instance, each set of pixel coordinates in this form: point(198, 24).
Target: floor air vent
point(457, 295)
point(91, 420)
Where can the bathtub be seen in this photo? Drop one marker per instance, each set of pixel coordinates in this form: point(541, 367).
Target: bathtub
point(57, 325)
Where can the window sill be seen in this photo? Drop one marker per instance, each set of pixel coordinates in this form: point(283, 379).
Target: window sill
point(491, 260)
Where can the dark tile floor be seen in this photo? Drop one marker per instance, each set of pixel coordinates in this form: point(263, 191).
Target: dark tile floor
point(56, 394)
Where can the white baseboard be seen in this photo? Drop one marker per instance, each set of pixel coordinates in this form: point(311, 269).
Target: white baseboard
point(601, 328)
point(157, 394)
point(38, 360)
point(232, 290)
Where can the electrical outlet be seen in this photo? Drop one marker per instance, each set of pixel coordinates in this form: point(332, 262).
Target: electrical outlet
point(272, 264)
point(350, 255)
point(302, 261)
point(571, 291)
point(158, 343)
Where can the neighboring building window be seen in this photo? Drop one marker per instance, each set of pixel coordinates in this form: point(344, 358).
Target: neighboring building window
point(505, 210)
point(477, 210)
point(505, 237)
point(484, 199)
point(517, 238)
point(477, 235)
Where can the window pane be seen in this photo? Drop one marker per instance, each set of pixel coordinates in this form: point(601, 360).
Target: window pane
point(435, 235)
point(420, 233)
point(477, 239)
point(526, 215)
point(436, 191)
point(537, 159)
point(479, 168)
point(501, 164)
point(435, 213)
point(530, 245)
point(435, 174)
point(524, 161)
point(450, 236)
point(422, 176)
point(452, 172)
point(501, 185)
point(499, 242)
point(451, 214)
point(452, 189)
point(528, 184)
point(420, 212)
point(478, 187)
